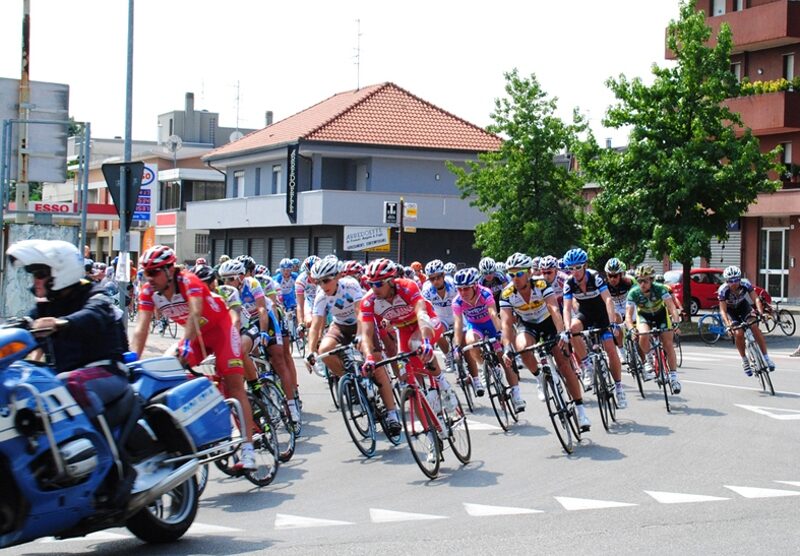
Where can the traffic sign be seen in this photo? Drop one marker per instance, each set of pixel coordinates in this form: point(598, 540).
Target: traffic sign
point(410, 215)
point(112, 173)
point(390, 212)
point(410, 229)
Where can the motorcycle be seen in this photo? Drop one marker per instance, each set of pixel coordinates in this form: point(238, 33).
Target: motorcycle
point(64, 474)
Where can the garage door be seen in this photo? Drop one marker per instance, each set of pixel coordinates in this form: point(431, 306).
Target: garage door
point(257, 250)
point(277, 251)
point(219, 249)
point(726, 253)
point(300, 247)
point(323, 246)
point(237, 248)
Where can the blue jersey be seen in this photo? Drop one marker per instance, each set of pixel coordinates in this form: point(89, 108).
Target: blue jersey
point(286, 289)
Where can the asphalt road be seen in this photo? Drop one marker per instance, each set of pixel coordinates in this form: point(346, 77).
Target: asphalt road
point(718, 475)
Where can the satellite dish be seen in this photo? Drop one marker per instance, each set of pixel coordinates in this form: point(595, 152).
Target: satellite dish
point(174, 143)
point(236, 135)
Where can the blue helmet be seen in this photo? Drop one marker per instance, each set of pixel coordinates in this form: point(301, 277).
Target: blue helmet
point(467, 277)
point(575, 257)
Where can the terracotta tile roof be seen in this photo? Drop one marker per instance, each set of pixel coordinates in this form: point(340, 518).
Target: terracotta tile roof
point(382, 114)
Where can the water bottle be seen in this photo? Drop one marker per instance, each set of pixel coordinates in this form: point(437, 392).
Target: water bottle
point(319, 367)
point(433, 400)
point(369, 386)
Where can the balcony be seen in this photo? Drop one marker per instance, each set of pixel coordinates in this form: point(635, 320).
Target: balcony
point(758, 28)
point(769, 113)
point(330, 208)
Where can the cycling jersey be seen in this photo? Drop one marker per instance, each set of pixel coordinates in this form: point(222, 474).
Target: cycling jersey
point(267, 284)
point(619, 293)
point(342, 304)
point(231, 297)
point(558, 283)
point(286, 288)
point(591, 310)
point(442, 306)
point(399, 310)
point(303, 285)
point(648, 303)
point(250, 292)
point(738, 298)
point(496, 285)
point(477, 313)
point(532, 310)
point(186, 286)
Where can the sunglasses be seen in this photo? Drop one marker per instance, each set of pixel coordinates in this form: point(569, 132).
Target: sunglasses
point(610, 275)
point(518, 273)
point(42, 274)
point(644, 280)
point(730, 280)
point(459, 288)
point(376, 284)
point(575, 268)
point(436, 276)
point(152, 272)
point(230, 279)
point(325, 280)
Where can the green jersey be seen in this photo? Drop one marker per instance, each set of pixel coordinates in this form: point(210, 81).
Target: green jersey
point(651, 302)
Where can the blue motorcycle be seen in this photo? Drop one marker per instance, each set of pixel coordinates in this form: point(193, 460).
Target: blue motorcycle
point(64, 474)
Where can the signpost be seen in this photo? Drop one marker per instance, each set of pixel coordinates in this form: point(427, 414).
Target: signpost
point(133, 177)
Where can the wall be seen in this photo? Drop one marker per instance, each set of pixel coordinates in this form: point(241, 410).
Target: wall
point(419, 176)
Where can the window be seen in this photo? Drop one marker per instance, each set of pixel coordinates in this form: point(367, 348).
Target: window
point(208, 190)
point(788, 66)
point(739, 5)
point(787, 152)
point(718, 8)
point(170, 197)
point(201, 243)
point(238, 184)
point(276, 179)
point(736, 68)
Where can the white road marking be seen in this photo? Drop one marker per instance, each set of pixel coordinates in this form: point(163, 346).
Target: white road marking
point(98, 536)
point(777, 413)
point(785, 393)
point(390, 516)
point(681, 498)
point(792, 483)
point(480, 510)
point(687, 357)
point(478, 426)
point(286, 521)
point(588, 504)
point(753, 492)
point(207, 529)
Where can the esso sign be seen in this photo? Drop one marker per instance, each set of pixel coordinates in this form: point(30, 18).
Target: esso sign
point(53, 207)
point(148, 176)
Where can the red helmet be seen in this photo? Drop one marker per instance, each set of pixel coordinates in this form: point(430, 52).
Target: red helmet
point(157, 257)
point(417, 266)
point(380, 269)
point(351, 268)
point(200, 261)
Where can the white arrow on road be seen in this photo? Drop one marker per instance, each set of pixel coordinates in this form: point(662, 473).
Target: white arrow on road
point(478, 426)
point(97, 536)
point(681, 498)
point(774, 412)
point(286, 521)
point(792, 483)
point(480, 510)
point(389, 516)
point(588, 504)
point(753, 492)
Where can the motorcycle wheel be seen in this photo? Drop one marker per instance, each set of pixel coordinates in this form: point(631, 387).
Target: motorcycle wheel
point(169, 517)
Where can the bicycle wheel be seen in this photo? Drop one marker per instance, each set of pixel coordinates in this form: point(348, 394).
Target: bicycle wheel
point(497, 396)
point(769, 322)
point(786, 322)
point(601, 393)
point(172, 327)
point(465, 382)
point(153, 322)
point(458, 431)
point(678, 349)
point(421, 432)
point(761, 369)
point(634, 363)
point(558, 413)
point(226, 465)
point(300, 344)
point(278, 409)
point(357, 416)
point(661, 375)
point(265, 443)
point(709, 328)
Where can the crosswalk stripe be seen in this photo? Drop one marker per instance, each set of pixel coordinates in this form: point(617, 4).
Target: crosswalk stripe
point(572, 504)
point(681, 498)
point(754, 492)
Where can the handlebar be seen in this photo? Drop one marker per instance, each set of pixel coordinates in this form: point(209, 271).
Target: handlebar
point(481, 343)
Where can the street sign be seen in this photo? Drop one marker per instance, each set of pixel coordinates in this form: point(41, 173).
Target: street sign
point(410, 229)
point(390, 212)
point(410, 215)
point(359, 238)
point(112, 174)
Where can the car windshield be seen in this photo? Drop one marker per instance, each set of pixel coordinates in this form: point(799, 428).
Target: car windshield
point(672, 276)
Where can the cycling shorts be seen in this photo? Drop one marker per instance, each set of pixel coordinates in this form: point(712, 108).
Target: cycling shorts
point(659, 319)
point(539, 330)
point(595, 318)
point(484, 329)
point(222, 341)
point(739, 314)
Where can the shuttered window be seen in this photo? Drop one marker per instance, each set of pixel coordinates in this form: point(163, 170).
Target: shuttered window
point(277, 251)
point(237, 248)
point(257, 251)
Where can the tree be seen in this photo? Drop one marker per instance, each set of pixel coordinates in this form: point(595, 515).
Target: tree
point(531, 201)
point(690, 167)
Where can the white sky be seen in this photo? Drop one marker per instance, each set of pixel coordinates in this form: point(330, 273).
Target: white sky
point(289, 55)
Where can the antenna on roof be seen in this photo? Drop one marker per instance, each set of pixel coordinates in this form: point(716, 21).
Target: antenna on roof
point(237, 105)
point(358, 54)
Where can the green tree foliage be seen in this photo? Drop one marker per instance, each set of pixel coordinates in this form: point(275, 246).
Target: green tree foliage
point(531, 202)
point(685, 173)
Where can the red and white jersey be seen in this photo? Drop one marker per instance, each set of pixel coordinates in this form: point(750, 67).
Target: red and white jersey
point(187, 285)
point(399, 310)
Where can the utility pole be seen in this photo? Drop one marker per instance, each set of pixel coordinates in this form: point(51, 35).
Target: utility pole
point(23, 189)
point(400, 233)
point(123, 258)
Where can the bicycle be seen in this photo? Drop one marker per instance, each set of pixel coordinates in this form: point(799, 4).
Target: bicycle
point(164, 325)
point(603, 383)
point(711, 328)
point(775, 317)
point(494, 375)
point(360, 402)
point(660, 364)
point(427, 423)
point(271, 393)
point(463, 377)
point(755, 356)
point(560, 404)
point(299, 340)
point(634, 361)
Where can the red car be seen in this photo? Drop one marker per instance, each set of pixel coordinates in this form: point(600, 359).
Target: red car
point(705, 283)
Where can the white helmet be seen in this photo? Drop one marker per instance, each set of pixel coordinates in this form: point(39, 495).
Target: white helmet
point(486, 265)
point(450, 268)
point(64, 260)
point(324, 268)
point(232, 267)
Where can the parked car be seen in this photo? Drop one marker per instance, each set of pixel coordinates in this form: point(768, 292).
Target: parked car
point(705, 283)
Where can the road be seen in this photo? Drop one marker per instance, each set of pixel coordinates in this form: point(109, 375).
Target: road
point(718, 475)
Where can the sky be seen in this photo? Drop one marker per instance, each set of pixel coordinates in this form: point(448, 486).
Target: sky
point(287, 56)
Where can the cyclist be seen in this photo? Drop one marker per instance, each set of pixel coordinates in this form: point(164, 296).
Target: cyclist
point(305, 289)
point(450, 269)
point(650, 305)
point(339, 298)
point(228, 293)
point(475, 319)
point(440, 292)
point(295, 264)
point(500, 268)
point(285, 279)
point(418, 274)
point(555, 278)
point(183, 297)
point(737, 299)
point(619, 284)
point(588, 293)
point(532, 304)
point(399, 301)
point(491, 279)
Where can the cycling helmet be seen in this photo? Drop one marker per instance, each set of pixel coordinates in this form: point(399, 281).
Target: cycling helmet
point(417, 266)
point(450, 268)
point(308, 263)
point(352, 268)
point(199, 261)
point(467, 277)
point(296, 262)
point(409, 272)
point(500, 267)
point(645, 271)
point(285, 263)
point(548, 262)
point(487, 265)
point(732, 274)
point(561, 265)
point(157, 257)
point(380, 269)
point(248, 262)
point(204, 272)
point(615, 266)
point(519, 260)
point(535, 263)
point(64, 260)
point(324, 268)
point(434, 267)
point(575, 257)
point(231, 268)
point(260, 269)
point(88, 265)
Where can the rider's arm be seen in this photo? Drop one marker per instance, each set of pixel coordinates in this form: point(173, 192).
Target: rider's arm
point(141, 331)
point(423, 319)
point(630, 312)
point(314, 335)
point(301, 305)
point(723, 312)
point(756, 299)
point(567, 313)
point(263, 314)
point(507, 326)
point(367, 332)
point(552, 308)
point(606, 297)
point(673, 310)
point(458, 330)
point(495, 318)
point(192, 328)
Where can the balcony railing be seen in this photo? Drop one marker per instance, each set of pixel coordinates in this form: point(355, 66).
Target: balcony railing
point(769, 113)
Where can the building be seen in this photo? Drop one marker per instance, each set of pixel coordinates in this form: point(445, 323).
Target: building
point(766, 47)
point(299, 185)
